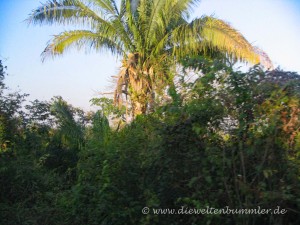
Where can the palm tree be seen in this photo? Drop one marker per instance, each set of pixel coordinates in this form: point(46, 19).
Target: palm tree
point(70, 132)
point(150, 35)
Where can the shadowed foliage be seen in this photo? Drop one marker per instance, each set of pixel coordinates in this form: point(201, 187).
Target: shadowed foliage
point(228, 140)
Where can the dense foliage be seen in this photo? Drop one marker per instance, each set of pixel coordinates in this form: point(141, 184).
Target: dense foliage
point(227, 138)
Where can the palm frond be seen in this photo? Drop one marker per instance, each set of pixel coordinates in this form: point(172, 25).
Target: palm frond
point(206, 34)
point(69, 129)
point(219, 34)
point(120, 86)
point(155, 17)
point(108, 7)
point(180, 8)
point(122, 10)
point(164, 17)
point(80, 38)
point(66, 12)
point(133, 29)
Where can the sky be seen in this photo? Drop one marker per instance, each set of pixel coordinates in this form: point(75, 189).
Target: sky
point(272, 25)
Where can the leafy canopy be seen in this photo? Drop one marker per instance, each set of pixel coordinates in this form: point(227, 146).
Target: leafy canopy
point(151, 37)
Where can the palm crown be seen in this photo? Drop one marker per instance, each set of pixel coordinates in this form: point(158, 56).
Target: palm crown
point(150, 35)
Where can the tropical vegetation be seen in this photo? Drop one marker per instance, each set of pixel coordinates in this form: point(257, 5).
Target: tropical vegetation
point(204, 134)
point(235, 144)
point(152, 37)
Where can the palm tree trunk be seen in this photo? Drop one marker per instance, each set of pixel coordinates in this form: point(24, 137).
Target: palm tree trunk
point(139, 92)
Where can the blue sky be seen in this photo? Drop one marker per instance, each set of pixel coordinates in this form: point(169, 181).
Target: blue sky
point(272, 25)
